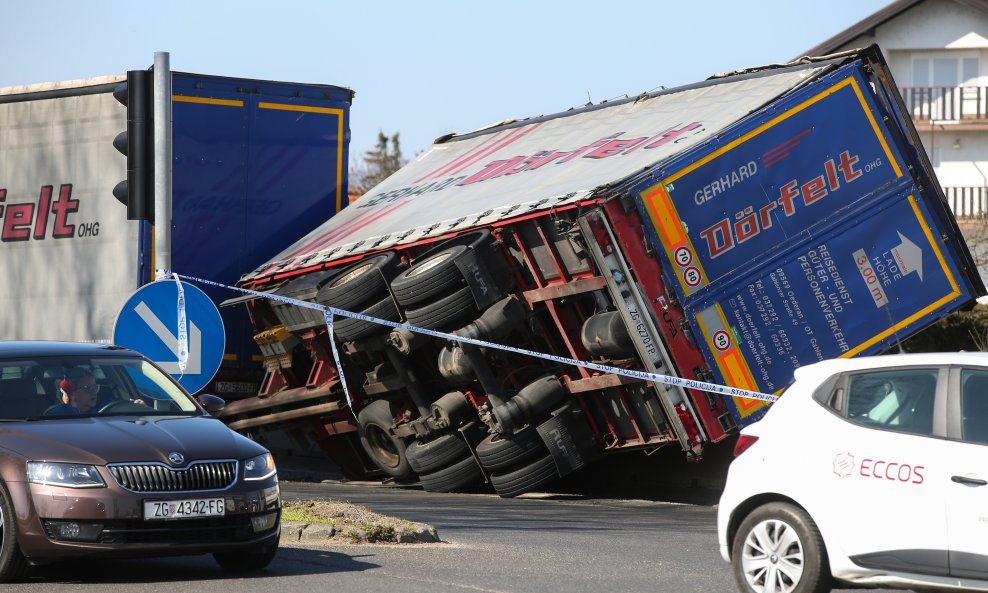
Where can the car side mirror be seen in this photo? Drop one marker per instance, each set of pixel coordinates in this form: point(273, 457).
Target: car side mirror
point(212, 403)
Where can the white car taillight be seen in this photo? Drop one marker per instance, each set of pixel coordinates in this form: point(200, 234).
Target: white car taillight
point(745, 441)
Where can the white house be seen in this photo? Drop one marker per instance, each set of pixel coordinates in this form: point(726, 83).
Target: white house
point(938, 53)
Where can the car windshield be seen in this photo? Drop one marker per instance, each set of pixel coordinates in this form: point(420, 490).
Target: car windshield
point(89, 386)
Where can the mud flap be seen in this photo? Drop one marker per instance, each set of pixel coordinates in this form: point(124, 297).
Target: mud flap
point(570, 440)
point(483, 285)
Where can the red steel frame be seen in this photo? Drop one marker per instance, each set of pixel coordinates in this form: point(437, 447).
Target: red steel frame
point(596, 393)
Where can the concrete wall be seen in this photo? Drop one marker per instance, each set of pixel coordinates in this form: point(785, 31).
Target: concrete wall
point(934, 24)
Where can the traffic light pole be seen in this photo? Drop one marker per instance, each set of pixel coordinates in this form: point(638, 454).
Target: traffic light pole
point(162, 164)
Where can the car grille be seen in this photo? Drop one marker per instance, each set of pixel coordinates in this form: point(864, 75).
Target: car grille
point(157, 477)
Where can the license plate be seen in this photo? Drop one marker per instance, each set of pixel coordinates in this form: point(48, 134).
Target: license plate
point(155, 510)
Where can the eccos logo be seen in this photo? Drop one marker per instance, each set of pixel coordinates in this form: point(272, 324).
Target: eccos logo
point(23, 221)
point(891, 470)
point(878, 469)
point(843, 464)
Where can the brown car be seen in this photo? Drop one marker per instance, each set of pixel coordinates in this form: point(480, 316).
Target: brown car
point(103, 454)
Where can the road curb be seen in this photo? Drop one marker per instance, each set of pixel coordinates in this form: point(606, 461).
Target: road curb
point(315, 533)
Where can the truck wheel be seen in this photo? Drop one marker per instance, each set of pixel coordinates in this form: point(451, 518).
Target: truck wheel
point(478, 239)
point(349, 328)
point(361, 282)
point(499, 451)
point(444, 312)
point(779, 548)
point(13, 565)
point(429, 276)
point(387, 451)
point(526, 478)
point(431, 455)
point(462, 473)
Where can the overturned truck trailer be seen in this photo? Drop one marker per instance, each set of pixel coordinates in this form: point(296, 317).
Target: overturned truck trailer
point(728, 231)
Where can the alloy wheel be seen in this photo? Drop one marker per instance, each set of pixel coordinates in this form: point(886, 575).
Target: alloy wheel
point(772, 557)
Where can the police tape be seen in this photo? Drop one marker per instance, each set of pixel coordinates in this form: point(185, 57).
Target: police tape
point(182, 335)
point(329, 312)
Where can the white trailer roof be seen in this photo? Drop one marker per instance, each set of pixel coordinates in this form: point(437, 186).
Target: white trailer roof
point(533, 165)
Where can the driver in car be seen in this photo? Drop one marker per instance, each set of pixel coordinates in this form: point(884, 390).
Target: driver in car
point(79, 389)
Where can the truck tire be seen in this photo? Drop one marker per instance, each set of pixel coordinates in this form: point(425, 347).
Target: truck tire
point(526, 478)
point(387, 451)
point(435, 274)
point(478, 239)
point(765, 526)
point(13, 565)
point(462, 473)
point(349, 328)
point(445, 312)
point(499, 451)
point(432, 455)
point(360, 283)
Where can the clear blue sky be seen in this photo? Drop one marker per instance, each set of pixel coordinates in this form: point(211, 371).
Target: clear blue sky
point(423, 69)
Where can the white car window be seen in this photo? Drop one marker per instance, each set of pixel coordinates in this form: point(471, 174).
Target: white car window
point(974, 406)
point(900, 400)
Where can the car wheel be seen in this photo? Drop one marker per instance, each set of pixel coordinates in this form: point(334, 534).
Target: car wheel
point(387, 451)
point(359, 283)
point(429, 276)
point(499, 451)
point(779, 548)
point(249, 560)
point(463, 473)
point(444, 312)
point(431, 455)
point(13, 565)
point(350, 328)
point(526, 478)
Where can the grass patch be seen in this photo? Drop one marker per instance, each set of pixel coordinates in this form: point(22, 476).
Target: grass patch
point(351, 522)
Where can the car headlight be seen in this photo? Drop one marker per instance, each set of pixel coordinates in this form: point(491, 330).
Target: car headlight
point(72, 475)
point(259, 468)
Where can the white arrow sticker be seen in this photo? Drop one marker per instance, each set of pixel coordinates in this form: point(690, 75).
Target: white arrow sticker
point(908, 256)
point(194, 364)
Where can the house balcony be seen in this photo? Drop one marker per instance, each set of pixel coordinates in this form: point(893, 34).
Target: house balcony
point(967, 203)
point(942, 104)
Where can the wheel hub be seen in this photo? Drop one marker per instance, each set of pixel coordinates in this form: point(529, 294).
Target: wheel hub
point(772, 557)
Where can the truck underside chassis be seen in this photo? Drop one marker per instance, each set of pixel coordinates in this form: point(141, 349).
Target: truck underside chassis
point(455, 414)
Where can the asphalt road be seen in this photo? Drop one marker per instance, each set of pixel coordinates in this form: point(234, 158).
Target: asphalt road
point(556, 544)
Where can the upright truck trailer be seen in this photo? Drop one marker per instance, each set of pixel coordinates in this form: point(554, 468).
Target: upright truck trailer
point(727, 231)
point(255, 165)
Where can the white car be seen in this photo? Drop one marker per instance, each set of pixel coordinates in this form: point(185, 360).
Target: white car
point(866, 472)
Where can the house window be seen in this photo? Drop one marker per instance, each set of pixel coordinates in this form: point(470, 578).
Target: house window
point(945, 70)
point(944, 86)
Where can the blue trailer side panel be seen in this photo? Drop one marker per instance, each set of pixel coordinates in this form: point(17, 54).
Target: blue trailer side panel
point(256, 165)
point(802, 236)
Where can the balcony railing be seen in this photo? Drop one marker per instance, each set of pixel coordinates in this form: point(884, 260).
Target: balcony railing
point(951, 103)
point(967, 202)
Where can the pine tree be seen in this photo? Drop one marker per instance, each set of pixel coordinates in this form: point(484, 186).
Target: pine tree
point(378, 163)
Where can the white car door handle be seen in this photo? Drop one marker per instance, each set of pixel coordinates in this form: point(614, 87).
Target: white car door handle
point(968, 481)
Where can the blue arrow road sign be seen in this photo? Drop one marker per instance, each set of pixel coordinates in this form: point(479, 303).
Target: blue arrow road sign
point(149, 323)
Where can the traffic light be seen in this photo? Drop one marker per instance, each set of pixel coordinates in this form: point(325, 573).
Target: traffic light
point(137, 143)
